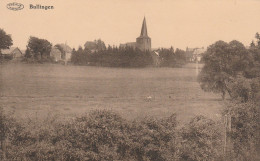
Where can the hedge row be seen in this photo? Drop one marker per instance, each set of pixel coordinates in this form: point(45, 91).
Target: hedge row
point(105, 135)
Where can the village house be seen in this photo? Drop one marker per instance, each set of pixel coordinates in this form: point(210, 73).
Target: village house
point(195, 54)
point(156, 58)
point(58, 55)
point(55, 54)
point(67, 49)
point(12, 53)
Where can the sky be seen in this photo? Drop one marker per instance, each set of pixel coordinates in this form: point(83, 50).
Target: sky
point(177, 23)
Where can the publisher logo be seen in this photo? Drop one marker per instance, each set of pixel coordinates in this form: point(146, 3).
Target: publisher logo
point(15, 6)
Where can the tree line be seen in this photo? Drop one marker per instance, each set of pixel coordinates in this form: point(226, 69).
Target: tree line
point(111, 57)
point(98, 54)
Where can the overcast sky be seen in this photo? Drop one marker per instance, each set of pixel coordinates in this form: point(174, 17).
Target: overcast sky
point(180, 23)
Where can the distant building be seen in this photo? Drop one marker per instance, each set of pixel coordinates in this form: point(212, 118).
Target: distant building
point(91, 45)
point(195, 54)
point(67, 49)
point(56, 54)
point(198, 53)
point(95, 46)
point(129, 44)
point(63, 53)
point(12, 53)
point(156, 58)
point(23, 52)
point(143, 42)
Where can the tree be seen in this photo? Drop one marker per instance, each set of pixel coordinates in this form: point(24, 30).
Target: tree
point(100, 45)
point(254, 69)
point(257, 36)
point(5, 41)
point(252, 45)
point(223, 62)
point(171, 58)
point(180, 57)
point(96, 45)
point(39, 48)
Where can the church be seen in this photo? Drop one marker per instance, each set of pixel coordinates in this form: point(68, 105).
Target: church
point(143, 42)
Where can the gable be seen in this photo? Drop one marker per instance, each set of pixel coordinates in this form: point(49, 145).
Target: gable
point(12, 51)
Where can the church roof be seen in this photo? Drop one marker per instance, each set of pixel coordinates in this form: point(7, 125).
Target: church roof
point(144, 29)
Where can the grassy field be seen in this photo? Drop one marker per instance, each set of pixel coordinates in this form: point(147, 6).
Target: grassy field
point(40, 90)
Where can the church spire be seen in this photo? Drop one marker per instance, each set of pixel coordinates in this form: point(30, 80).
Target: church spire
point(144, 29)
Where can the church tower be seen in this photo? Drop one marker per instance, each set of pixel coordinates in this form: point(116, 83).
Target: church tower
point(143, 42)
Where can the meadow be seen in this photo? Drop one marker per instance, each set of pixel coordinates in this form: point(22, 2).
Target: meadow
point(38, 90)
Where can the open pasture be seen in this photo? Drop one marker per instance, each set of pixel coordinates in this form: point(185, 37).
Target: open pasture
point(40, 90)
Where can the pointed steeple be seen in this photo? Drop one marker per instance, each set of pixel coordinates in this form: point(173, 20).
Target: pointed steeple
point(143, 42)
point(144, 29)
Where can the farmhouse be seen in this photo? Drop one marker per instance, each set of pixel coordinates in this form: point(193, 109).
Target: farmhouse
point(12, 53)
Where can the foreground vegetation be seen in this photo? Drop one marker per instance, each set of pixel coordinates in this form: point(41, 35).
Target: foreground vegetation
point(233, 69)
point(104, 135)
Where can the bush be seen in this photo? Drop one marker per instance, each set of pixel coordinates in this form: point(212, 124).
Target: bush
point(103, 135)
point(100, 135)
point(201, 139)
point(244, 129)
point(154, 139)
point(243, 89)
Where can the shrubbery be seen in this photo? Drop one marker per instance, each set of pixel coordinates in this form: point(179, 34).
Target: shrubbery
point(104, 135)
point(245, 130)
point(201, 140)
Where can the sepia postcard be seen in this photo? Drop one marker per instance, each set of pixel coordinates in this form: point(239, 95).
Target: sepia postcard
point(126, 80)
